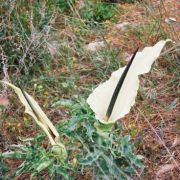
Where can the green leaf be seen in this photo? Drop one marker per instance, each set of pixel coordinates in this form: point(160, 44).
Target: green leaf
point(3, 170)
point(90, 158)
point(43, 165)
point(63, 172)
point(63, 102)
point(125, 147)
point(89, 130)
point(114, 169)
point(73, 123)
point(13, 155)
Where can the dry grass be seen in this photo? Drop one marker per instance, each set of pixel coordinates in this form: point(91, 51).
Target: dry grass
point(154, 121)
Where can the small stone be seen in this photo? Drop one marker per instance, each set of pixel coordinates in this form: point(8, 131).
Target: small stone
point(122, 26)
point(170, 20)
point(4, 101)
point(127, 57)
point(95, 46)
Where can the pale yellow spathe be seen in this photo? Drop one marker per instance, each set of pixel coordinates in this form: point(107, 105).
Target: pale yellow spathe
point(100, 98)
point(42, 120)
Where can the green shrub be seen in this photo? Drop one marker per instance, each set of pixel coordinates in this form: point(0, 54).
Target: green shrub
point(97, 11)
point(60, 5)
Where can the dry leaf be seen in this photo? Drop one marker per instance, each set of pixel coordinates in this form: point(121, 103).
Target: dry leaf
point(166, 168)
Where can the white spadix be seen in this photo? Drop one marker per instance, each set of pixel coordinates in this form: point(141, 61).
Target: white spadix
point(113, 99)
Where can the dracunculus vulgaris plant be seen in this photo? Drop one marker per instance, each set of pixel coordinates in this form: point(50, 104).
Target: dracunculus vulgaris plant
point(33, 109)
point(110, 101)
point(114, 98)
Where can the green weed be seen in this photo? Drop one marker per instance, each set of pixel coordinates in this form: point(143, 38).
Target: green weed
point(107, 153)
point(3, 170)
point(97, 11)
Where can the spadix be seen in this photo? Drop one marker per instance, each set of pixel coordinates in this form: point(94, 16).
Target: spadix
point(113, 99)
